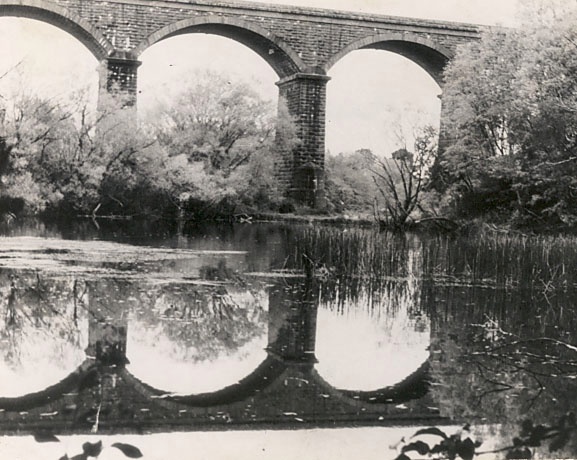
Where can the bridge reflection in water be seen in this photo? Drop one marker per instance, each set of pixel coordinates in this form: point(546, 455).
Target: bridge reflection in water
point(108, 393)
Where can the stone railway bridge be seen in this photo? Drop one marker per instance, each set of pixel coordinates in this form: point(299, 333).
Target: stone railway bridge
point(300, 44)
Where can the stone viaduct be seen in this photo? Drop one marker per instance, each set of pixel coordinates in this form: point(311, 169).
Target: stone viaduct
point(300, 44)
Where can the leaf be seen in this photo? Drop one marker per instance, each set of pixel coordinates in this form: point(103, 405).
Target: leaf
point(45, 437)
point(80, 457)
point(432, 430)
point(92, 449)
point(128, 450)
point(65, 457)
point(421, 447)
point(466, 449)
point(559, 442)
point(439, 448)
point(402, 457)
point(537, 435)
point(519, 454)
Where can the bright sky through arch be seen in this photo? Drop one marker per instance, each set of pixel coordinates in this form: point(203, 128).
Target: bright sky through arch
point(367, 91)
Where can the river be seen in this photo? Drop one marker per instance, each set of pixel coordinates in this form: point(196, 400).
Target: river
point(127, 328)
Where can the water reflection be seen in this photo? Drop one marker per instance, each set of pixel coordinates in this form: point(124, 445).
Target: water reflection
point(284, 325)
point(185, 328)
point(199, 339)
point(382, 326)
point(347, 343)
point(43, 332)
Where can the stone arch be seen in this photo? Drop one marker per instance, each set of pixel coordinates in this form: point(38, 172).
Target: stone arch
point(86, 371)
point(262, 377)
point(414, 386)
point(429, 55)
point(62, 18)
point(273, 50)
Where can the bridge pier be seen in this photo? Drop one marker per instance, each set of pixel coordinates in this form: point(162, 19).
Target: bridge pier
point(118, 78)
point(293, 324)
point(302, 171)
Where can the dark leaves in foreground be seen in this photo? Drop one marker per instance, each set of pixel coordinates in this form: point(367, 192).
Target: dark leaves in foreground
point(128, 450)
point(523, 446)
point(45, 437)
point(458, 445)
point(92, 449)
point(82, 456)
point(535, 435)
point(419, 446)
point(433, 431)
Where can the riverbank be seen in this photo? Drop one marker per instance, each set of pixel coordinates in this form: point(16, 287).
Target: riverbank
point(311, 216)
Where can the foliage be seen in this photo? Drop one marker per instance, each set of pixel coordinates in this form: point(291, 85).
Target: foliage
point(58, 155)
point(215, 147)
point(89, 449)
point(223, 141)
point(510, 101)
point(402, 179)
point(458, 445)
point(462, 445)
point(349, 185)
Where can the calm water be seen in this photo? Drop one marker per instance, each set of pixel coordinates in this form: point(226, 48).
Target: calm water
point(128, 328)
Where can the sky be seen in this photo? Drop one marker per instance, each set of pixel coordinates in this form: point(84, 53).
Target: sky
point(374, 98)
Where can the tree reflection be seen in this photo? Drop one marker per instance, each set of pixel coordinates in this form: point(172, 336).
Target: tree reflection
point(496, 365)
point(42, 332)
point(202, 334)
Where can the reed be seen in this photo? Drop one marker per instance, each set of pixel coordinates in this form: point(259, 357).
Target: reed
point(352, 265)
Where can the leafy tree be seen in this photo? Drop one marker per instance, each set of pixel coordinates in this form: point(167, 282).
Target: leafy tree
point(511, 100)
point(223, 141)
point(349, 185)
point(217, 146)
point(57, 155)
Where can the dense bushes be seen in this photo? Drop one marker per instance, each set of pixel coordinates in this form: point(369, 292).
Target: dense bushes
point(212, 150)
point(510, 102)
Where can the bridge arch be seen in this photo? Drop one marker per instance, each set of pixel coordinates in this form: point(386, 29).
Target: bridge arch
point(84, 373)
point(414, 386)
point(258, 380)
point(63, 19)
point(284, 60)
point(429, 55)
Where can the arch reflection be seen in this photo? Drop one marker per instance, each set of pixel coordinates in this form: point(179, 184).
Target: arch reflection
point(372, 332)
point(199, 347)
point(365, 352)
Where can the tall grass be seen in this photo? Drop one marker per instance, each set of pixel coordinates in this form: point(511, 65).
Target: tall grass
point(541, 263)
point(381, 268)
point(358, 266)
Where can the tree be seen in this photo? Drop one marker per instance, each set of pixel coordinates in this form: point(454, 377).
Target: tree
point(213, 148)
point(511, 100)
point(402, 179)
point(222, 141)
point(57, 154)
point(349, 185)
